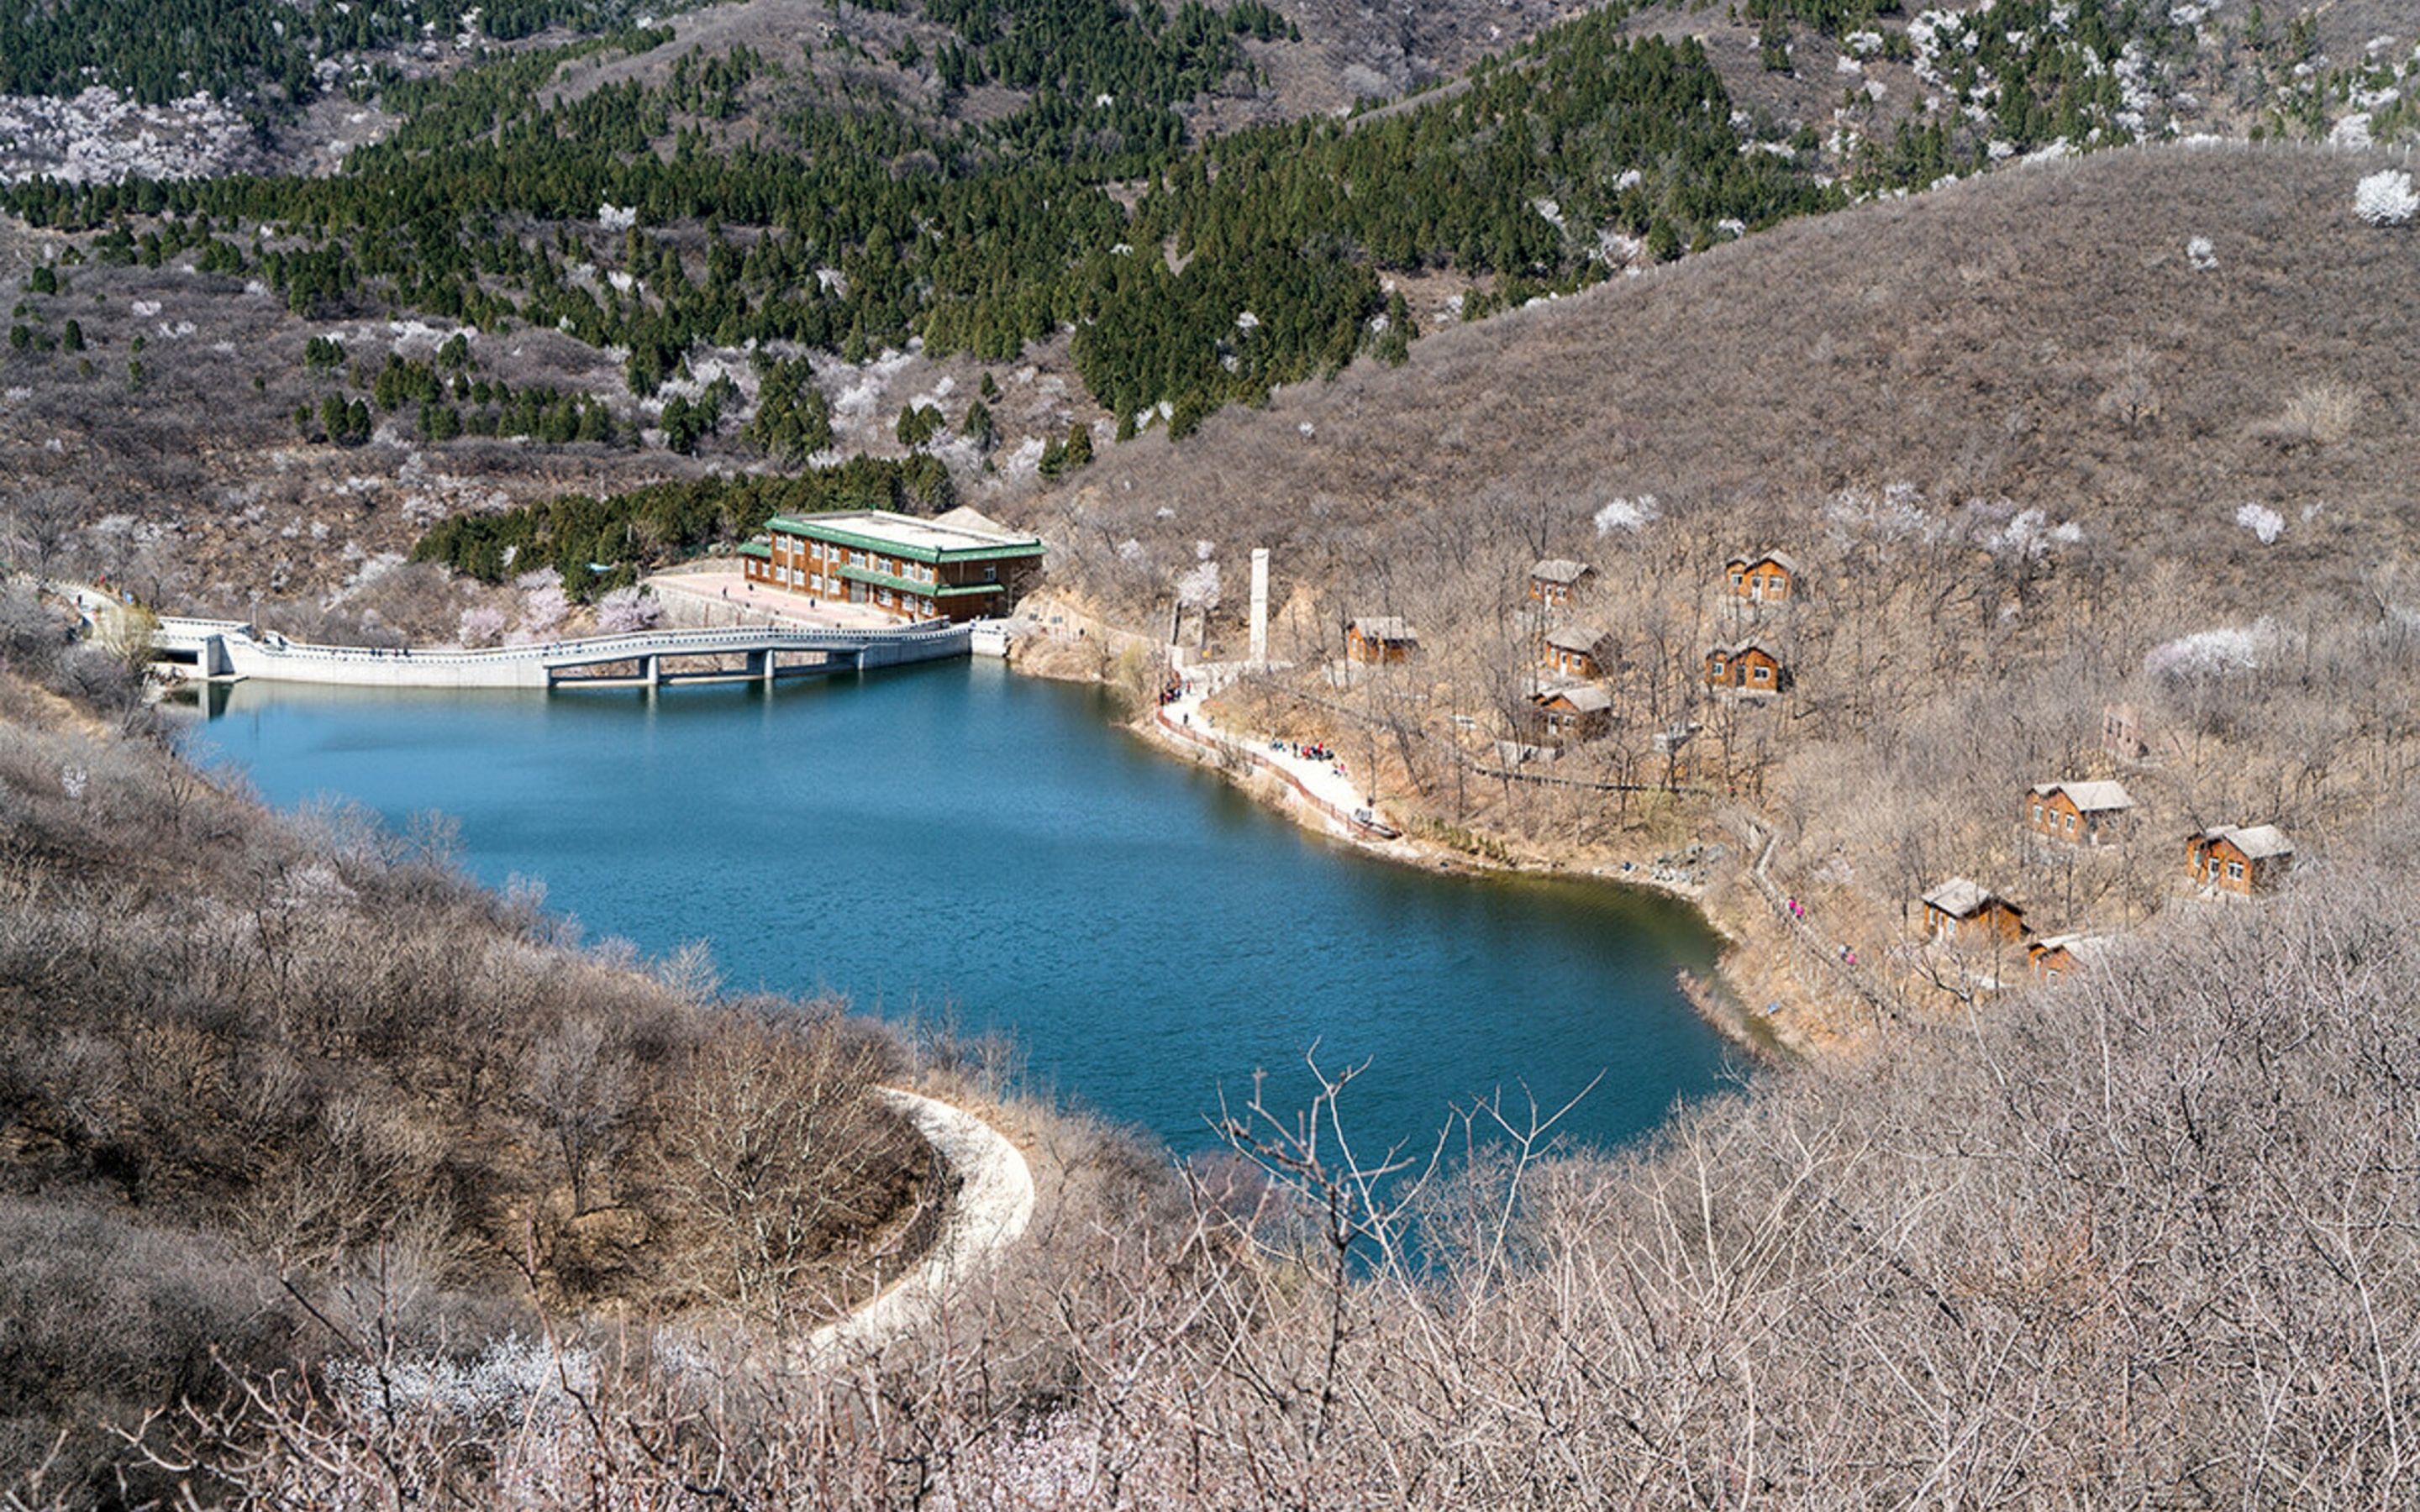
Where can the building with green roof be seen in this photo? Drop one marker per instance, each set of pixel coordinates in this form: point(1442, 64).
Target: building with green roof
point(955, 566)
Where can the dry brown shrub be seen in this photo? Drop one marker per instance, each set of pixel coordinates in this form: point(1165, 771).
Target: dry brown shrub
point(2318, 414)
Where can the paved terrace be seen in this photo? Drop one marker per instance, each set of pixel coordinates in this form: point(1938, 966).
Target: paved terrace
point(723, 596)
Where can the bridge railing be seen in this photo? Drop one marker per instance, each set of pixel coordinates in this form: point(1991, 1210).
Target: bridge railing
point(622, 646)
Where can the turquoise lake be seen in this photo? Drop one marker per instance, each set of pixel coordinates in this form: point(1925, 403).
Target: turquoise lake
point(955, 839)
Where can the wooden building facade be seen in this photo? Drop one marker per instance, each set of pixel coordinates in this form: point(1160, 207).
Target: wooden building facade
point(2078, 813)
point(1963, 912)
point(1573, 711)
point(1554, 580)
point(1382, 638)
point(1749, 666)
point(1573, 650)
point(2054, 958)
point(1771, 577)
point(2239, 861)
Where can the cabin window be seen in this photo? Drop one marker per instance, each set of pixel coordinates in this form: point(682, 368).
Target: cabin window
point(2234, 870)
point(1738, 577)
point(1762, 674)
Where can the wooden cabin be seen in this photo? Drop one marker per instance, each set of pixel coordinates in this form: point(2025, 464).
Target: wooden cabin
point(1772, 577)
point(1960, 911)
point(2239, 861)
point(1553, 581)
point(1573, 650)
point(2077, 813)
point(1749, 666)
point(2057, 956)
point(1384, 639)
point(1573, 711)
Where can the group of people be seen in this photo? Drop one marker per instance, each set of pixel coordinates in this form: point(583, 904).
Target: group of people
point(1796, 910)
point(1307, 751)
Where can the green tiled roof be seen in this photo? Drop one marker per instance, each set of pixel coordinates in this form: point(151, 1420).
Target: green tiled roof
point(809, 526)
point(757, 549)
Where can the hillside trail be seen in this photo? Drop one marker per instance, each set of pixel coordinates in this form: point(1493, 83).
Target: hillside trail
point(989, 1210)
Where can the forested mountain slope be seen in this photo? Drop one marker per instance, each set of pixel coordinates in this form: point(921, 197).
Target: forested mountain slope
point(2049, 334)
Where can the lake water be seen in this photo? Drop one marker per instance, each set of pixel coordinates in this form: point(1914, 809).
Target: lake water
point(952, 838)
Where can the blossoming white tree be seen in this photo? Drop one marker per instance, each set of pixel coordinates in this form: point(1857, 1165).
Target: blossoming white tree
point(543, 604)
point(2386, 199)
point(480, 625)
point(627, 609)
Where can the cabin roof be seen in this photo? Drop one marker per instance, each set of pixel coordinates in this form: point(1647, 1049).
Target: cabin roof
point(922, 540)
point(1741, 648)
point(2259, 842)
point(1584, 698)
point(1584, 639)
point(1383, 627)
point(1559, 570)
point(1779, 559)
point(1961, 899)
point(2080, 947)
point(2089, 798)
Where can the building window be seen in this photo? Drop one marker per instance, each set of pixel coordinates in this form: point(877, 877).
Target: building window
point(2234, 870)
point(1763, 674)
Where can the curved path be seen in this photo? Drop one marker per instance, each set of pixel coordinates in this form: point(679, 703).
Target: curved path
point(989, 1210)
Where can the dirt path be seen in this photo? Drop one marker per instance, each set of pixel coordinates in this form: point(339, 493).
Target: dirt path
point(993, 1203)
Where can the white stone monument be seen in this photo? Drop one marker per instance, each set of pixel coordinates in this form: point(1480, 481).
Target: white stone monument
point(1259, 606)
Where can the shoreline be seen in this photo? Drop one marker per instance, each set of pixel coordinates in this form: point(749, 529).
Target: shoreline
point(1718, 999)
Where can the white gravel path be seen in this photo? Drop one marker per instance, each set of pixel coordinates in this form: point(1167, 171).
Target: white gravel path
point(993, 1203)
point(1321, 779)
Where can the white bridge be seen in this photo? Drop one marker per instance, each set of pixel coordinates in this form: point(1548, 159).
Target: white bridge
point(223, 649)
